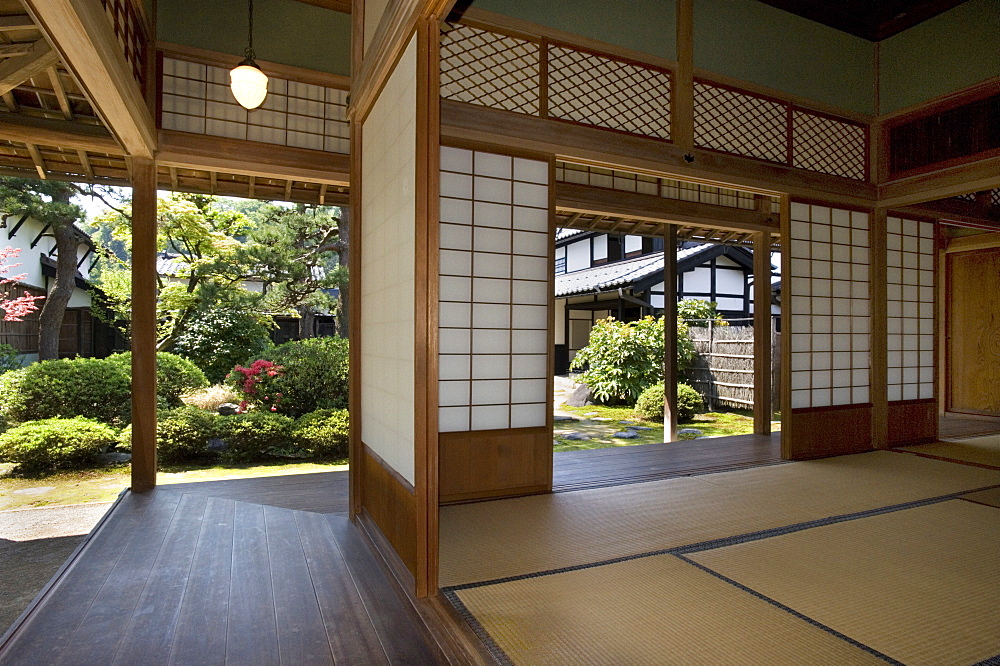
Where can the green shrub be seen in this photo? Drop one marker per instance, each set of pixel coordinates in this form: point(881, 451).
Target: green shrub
point(649, 406)
point(314, 376)
point(10, 359)
point(182, 435)
point(39, 446)
point(323, 433)
point(65, 388)
point(216, 340)
point(175, 376)
point(256, 436)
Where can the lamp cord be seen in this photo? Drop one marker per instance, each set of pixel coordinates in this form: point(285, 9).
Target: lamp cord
point(250, 53)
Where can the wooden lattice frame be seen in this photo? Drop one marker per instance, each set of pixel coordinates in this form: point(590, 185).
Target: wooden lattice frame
point(735, 121)
point(130, 29)
point(829, 145)
point(490, 69)
point(612, 93)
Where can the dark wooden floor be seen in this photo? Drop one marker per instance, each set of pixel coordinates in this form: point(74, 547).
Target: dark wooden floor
point(175, 577)
point(574, 470)
point(322, 492)
point(958, 426)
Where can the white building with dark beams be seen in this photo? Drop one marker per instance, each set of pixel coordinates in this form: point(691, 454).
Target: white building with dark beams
point(607, 275)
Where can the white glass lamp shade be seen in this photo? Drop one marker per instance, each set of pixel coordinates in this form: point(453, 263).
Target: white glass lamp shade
point(249, 85)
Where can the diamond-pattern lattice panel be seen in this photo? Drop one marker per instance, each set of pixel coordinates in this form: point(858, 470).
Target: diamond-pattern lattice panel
point(738, 123)
point(605, 92)
point(490, 69)
point(827, 145)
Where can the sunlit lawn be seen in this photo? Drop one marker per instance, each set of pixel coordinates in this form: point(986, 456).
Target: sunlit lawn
point(711, 424)
point(104, 485)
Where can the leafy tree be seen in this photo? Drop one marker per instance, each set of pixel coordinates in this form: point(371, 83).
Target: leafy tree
point(48, 202)
point(697, 310)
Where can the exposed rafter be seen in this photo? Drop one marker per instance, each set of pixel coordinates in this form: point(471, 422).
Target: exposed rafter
point(17, 70)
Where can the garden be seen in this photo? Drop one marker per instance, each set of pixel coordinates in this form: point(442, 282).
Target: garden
point(285, 405)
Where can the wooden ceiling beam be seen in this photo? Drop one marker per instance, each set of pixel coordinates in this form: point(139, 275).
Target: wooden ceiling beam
point(15, 71)
point(85, 38)
point(85, 163)
point(17, 22)
point(60, 91)
point(941, 184)
point(36, 157)
point(343, 6)
point(50, 132)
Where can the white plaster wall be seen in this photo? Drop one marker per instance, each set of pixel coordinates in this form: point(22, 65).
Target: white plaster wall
point(30, 257)
point(388, 211)
point(578, 255)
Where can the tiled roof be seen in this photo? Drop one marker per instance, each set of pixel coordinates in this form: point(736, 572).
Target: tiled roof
point(566, 233)
point(619, 273)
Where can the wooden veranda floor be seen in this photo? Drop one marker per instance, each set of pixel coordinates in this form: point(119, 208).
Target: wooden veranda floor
point(959, 426)
point(225, 572)
point(574, 470)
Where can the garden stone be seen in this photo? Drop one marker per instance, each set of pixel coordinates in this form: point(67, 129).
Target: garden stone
point(228, 409)
point(216, 444)
point(577, 436)
point(638, 427)
point(558, 418)
point(114, 458)
point(689, 431)
point(626, 434)
point(580, 396)
point(601, 419)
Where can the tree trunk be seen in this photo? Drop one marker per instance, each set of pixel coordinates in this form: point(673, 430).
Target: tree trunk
point(54, 306)
point(343, 304)
point(307, 322)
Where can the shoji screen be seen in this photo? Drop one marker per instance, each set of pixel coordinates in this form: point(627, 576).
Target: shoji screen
point(494, 291)
point(829, 330)
point(910, 308)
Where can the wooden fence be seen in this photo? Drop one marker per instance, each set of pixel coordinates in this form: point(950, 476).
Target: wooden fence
point(722, 369)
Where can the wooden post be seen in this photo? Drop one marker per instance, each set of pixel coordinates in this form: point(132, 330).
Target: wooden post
point(762, 332)
point(682, 97)
point(670, 334)
point(787, 423)
point(143, 325)
point(878, 391)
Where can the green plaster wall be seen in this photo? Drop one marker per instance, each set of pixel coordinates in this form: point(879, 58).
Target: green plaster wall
point(648, 26)
point(946, 53)
point(285, 31)
point(755, 42)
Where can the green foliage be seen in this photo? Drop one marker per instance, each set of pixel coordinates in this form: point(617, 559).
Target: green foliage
point(315, 376)
point(217, 339)
point(40, 446)
point(87, 387)
point(182, 435)
point(256, 435)
point(649, 406)
point(323, 433)
point(622, 358)
point(10, 359)
point(175, 376)
point(695, 309)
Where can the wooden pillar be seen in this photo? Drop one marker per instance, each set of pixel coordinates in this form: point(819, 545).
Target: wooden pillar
point(143, 325)
point(682, 97)
point(787, 329)
point(670, 334)
point(762, 331)
point(879, 374)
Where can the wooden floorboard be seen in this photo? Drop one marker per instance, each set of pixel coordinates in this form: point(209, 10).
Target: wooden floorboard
point(187, 578)
point(960, 426)
point(573, 470)
point(321, 492)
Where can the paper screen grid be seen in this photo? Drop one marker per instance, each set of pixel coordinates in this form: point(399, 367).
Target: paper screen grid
point(830, 303)
point(910, 308)
point(495, 268)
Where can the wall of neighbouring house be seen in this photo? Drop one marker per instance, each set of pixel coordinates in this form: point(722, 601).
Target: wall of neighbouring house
point(285, 31)
point(755, 42)
point(495, 293)
point(388, 208)
point(949, 52)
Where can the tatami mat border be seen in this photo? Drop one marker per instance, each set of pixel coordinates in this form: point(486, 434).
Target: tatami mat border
point(777, 604)
point(495, 650)
point(728, 541)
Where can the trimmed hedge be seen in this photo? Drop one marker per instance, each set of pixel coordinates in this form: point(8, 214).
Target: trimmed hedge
point(175, 376)
point(323, 433)
point(182, 435)
point(65, 388)
point(49, 444)
point(257, 436)
point(649, 406)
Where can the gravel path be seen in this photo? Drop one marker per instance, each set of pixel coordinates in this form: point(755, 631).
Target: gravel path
point(34, 543)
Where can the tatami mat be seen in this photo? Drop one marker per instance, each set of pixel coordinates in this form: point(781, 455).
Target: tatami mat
point(656, 610)
point(919, 585)
point(980, 450)
point(492, 540)
point(991, 497)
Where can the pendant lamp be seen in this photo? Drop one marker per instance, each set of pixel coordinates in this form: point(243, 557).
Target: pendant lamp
point(248, 83)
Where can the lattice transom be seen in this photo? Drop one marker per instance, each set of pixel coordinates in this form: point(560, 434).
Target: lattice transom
point(828, 145)
point(730, 121)
point(489, 69)
point(595, 90)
